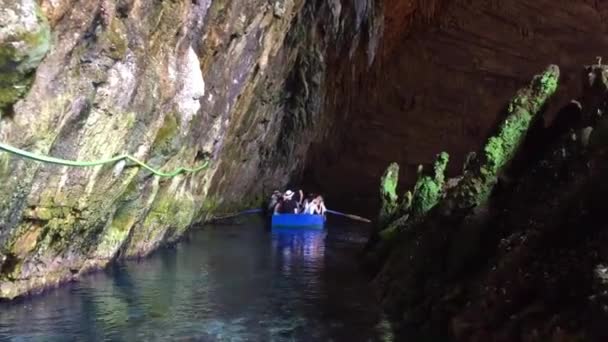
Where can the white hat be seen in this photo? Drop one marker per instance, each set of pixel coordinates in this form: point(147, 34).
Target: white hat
point(288, 194)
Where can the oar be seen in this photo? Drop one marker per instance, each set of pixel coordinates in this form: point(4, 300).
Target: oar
point(249, 211)
point(351, 216)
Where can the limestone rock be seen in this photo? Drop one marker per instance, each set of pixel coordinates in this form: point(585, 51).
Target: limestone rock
point(24, 41)
point(172, 83)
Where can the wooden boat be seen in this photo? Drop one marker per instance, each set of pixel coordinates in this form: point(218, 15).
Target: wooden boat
point(298, 221)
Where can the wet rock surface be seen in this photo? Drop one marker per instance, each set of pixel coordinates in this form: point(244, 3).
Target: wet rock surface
point(171, 83)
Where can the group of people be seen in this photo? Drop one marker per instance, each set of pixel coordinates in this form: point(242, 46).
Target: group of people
point(295, 203)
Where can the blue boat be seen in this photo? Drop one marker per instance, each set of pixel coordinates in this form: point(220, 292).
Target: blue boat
point(298, 221)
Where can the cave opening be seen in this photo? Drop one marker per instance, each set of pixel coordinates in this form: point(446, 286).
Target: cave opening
point(471, 132)
point(440, 81)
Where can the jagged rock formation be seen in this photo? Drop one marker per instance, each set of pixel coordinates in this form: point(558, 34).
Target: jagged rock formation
point(444, 70)
point(172, 83)
point(524, 262)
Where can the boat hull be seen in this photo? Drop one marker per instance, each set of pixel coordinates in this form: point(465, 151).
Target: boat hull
point(298, 221)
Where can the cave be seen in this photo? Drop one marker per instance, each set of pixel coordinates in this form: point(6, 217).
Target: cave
point(467, 134)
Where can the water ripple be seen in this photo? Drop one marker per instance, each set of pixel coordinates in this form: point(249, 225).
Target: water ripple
point(226, 283)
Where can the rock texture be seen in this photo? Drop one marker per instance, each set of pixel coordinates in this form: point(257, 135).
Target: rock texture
point(24, 40)
point(513, 252)
point(444, 70)
point(172, 83)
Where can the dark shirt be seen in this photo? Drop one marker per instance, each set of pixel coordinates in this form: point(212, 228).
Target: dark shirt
point(288, 207)
point(296, 197)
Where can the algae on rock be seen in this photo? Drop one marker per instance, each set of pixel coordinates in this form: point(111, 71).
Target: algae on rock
point(424, 252)
point(429, 188)
point(427, 192)
point(388, 194)
point(482, 175)
point(24, 41)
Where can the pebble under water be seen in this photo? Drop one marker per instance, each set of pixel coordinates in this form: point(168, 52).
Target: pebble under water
point(235, 282)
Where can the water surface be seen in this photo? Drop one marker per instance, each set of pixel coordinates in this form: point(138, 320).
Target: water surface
point(238, 282)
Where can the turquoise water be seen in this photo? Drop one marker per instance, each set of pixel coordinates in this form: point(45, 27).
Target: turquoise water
point(238, 282)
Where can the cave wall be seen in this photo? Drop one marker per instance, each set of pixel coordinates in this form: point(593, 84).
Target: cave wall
point(173, 83)
point(442, 75)
point(268, 91)
point(514, 259)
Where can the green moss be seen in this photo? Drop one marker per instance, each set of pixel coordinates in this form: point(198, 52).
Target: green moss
point(13, 86)
point(429, 189)
point(123, 219)
point(4, 165)
point(480, 178)
point(388, 194)
point(116, 233)
point(130, 120)
point(48, 213)
point(171, 213)
point(184, 216)
point(17, 65)
point(58, 233)
point(165, 22)
point(162, 141)
point(210, 204)
point(479, 181)
point(117, 39)
point(427, 193)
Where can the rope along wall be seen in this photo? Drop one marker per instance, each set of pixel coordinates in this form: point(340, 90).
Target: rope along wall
point(58, 161)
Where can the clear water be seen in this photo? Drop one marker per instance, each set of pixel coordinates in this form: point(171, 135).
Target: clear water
point(224, 283)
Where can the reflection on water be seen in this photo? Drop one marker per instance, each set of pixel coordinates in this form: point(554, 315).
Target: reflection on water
point(226, 283)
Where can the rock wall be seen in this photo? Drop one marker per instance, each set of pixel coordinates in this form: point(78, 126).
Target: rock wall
point(173, 83)
point(267, 91)
point(514, 250)
point(443, 72)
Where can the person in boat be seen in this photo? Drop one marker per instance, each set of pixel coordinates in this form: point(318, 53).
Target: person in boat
point(288, 205)
point(321, 205)
point(307, 201)
point(275, 198)
point(316, 206)
point(299, 198)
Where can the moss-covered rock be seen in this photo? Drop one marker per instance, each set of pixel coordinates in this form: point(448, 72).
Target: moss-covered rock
point(482, 175)
point(117, 42)
point(427, 192)
point(388, 194)
point(24, 41)
point(444, 233)
point(429, 188)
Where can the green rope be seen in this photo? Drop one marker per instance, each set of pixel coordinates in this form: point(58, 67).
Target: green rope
point(52, 160)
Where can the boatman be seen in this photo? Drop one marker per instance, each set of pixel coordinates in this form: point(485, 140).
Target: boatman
point(289, 204)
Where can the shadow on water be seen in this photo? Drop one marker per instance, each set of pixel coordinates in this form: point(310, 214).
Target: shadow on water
point(229, 282)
